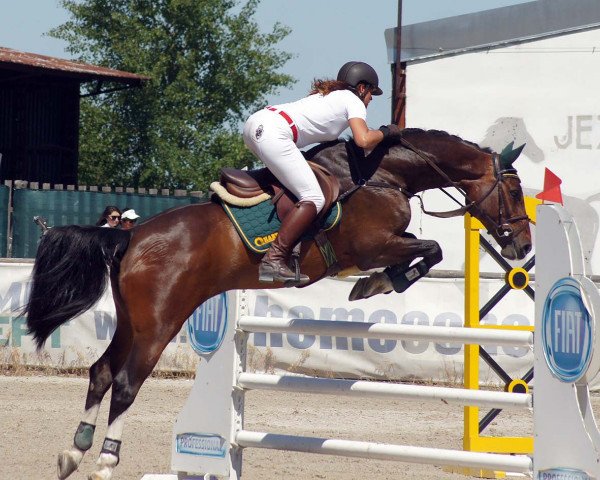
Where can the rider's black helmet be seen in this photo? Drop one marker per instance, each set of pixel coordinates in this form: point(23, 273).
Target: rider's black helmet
point(354, 73)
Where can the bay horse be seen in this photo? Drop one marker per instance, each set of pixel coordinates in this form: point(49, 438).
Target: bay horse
point(163, 269)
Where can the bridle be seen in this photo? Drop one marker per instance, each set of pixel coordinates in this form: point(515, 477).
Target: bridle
point(502, 226)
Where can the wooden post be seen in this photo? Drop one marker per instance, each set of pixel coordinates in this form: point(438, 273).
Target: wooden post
point(399, 78)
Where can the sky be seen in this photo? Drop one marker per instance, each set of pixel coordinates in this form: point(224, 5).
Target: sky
point(325, 34)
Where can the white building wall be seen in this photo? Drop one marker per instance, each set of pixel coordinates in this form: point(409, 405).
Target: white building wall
point(543, 92)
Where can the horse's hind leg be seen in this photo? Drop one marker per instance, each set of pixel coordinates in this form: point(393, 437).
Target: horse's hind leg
point(143, 356)
point(101, 377)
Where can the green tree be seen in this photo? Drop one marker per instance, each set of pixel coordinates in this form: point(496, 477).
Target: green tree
point(209, 66)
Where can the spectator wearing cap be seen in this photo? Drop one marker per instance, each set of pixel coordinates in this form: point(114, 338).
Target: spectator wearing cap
point(128, 218)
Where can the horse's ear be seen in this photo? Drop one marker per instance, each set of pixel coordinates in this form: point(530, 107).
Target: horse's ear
point(509, 155)
point(506, 150)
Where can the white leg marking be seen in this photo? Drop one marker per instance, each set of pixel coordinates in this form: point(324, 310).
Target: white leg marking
point(91, 415)
point(107, 461)
point(115, 429)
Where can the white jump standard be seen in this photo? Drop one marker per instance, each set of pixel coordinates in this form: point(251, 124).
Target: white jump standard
point(209, 437)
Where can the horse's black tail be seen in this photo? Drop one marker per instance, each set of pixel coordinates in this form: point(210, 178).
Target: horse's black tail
point(70, 274)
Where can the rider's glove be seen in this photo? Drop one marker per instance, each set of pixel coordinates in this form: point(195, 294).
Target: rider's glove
point(390, 131)
point(386, 132)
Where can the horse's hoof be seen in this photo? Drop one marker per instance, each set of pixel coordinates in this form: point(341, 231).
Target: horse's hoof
point(354, 295)
point(360, 289)
point(106, 464)
point(378, 282)
point(104, 474)
point(68, 461)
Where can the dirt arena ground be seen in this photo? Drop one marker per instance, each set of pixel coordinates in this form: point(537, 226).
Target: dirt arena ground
point(40, 414)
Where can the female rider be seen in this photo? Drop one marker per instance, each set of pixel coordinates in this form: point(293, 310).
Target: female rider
point(275, 135)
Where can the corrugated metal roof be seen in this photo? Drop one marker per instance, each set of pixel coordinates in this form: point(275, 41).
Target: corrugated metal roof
point(491, 28)
point(34, 63)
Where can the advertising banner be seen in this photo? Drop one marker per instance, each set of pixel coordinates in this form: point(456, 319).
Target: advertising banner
point(436, 302)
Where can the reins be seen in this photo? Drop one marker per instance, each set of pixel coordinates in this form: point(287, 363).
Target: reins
point(362, 182)
point(371, 183)
point(451, 213)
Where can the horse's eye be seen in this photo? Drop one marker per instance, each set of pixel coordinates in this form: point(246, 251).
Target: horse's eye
point(515, 194)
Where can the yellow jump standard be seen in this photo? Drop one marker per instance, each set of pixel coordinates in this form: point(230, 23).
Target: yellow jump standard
point(516, 278)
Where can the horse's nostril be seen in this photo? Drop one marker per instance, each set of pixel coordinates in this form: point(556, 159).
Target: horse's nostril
point(527, 248)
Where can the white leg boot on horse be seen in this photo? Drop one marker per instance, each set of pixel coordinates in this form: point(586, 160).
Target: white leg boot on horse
point(274, 265)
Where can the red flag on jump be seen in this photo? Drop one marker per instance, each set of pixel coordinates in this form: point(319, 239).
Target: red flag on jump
point(551, 190)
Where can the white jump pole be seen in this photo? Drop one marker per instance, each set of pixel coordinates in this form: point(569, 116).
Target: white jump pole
point(387, 331)
point(208, 436)
point(360, 388)
point(381, 451)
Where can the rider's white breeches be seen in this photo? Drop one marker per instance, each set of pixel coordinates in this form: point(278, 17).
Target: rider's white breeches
point(269, 137)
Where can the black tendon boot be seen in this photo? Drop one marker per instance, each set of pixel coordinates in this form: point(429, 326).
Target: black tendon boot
point(274, 265)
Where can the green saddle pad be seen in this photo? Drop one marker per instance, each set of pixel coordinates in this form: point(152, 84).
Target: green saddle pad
point(258, 225)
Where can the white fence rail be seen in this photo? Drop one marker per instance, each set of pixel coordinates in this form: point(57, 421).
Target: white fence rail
point(361, 388)
point(387, 331)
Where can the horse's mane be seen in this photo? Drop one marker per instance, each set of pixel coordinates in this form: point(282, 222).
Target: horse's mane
point(442, 133)
point(312, 152)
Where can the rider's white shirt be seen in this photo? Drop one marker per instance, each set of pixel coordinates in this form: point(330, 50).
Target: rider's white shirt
point(321, 118)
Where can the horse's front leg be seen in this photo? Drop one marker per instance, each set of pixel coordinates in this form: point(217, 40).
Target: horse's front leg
point(398, 256)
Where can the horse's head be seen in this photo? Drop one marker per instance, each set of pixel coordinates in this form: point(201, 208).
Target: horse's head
point(499, 204)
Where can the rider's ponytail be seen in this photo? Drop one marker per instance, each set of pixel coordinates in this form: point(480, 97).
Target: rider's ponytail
point(327, 86)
